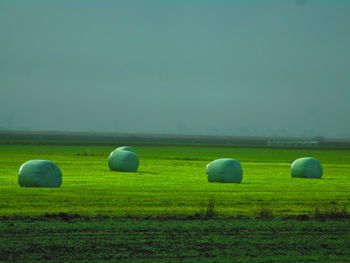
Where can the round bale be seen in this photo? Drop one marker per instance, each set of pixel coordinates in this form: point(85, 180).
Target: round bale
point(306, 167)
point(224, 171)
point(40, 173)
point(126, 148)
point(123, 161)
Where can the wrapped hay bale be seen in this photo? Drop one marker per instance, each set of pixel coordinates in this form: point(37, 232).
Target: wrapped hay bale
point(123, 160)
point(225, 171)
point(126, 148)
point(39, 173)
point(306, 167)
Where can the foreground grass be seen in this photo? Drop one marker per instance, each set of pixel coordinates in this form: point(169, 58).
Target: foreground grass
point(130, 240)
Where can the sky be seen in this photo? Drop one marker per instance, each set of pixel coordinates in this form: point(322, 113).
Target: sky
point(198, 67)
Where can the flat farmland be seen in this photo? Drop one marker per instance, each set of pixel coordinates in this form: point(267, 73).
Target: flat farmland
point(171, 183)
point(168, 212)
point(153, 240)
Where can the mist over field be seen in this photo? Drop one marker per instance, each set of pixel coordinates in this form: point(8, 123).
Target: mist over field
point(256, 68)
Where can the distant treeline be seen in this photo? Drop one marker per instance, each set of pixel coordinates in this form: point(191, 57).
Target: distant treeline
point(76, 138)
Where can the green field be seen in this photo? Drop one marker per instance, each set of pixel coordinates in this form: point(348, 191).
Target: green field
point(168, 212)
point(129, 240)
point(171, 182)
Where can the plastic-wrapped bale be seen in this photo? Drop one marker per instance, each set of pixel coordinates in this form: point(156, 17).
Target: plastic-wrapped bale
point(40, 173)
point(123, 161)
point(306, 167)
point(126, 148)
point(224, 171)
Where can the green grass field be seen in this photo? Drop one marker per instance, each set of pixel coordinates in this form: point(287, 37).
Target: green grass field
point(171, 182)
point(168, 212)
point(130, 240)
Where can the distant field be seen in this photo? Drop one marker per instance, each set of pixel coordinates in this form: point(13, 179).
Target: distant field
point(110, 139)
point(171, 182)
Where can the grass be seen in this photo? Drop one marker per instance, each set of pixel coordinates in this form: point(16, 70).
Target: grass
point(140, 240)
point(102, 216)
point(331, 212)
point(171, 182)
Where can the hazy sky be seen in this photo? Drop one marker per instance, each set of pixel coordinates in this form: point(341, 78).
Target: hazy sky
point(202, 67)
